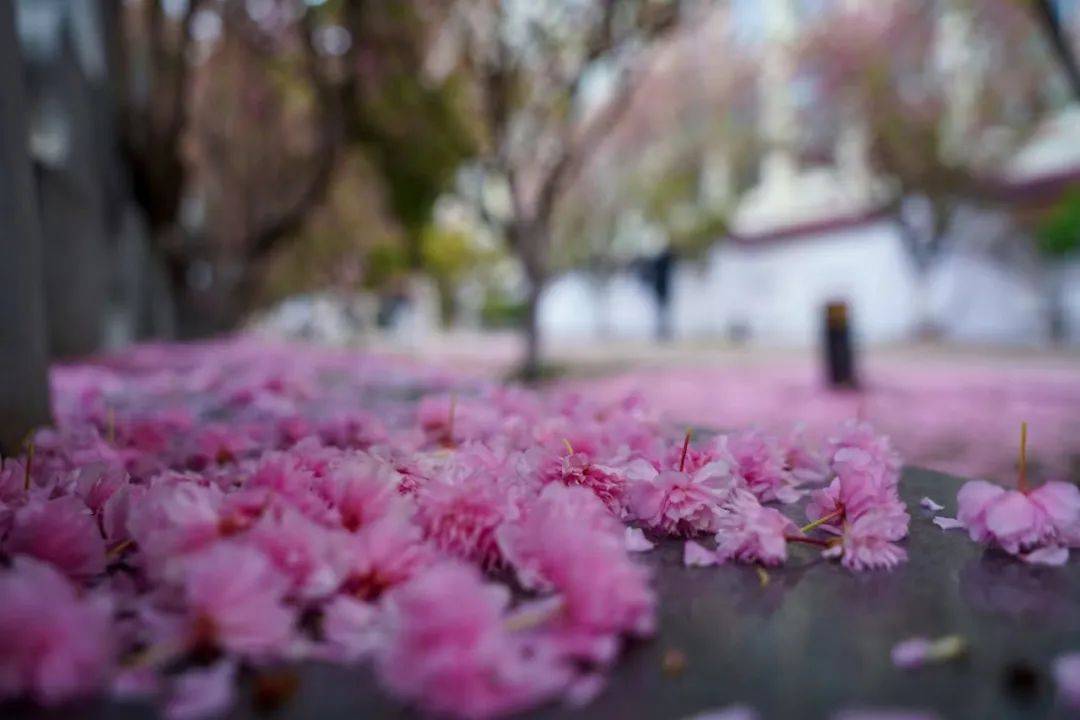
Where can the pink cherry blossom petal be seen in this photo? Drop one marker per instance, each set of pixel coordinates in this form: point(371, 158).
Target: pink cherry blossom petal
point(202, 693)
point(948, 523)
point(636, 541)
point(695, 555)
point(931, 505)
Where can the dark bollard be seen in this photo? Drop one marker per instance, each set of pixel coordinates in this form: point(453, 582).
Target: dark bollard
point(839, 347)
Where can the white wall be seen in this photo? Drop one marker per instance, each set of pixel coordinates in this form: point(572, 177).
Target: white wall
point(775, 294)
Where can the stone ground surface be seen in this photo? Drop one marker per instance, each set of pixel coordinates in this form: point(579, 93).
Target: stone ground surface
point(812, 640)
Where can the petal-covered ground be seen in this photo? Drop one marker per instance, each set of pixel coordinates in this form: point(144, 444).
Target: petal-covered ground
point(201, 512)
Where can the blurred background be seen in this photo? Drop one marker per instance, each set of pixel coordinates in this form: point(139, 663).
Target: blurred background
point(748, 211)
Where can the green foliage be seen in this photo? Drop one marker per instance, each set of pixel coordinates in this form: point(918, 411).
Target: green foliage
point(502, 312)
point(416, 130)
point(697, 237)
point(417, 137)
point(448, 254)
point(385, 262)
point(1058, 233)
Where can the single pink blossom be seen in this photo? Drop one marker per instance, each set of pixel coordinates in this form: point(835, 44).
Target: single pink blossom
point(806, 465)
point(54, 645)
point(95, 484)
point(448, 649)
point(855, 434)
point(219, 444)
point(749, 532)
point(364, 490)
point(60, 531)
point(678, 503)
point(460, 516)
point(869, 542)
point(233, 597)
point(291, 476)
point(606, 483)
point(175, 515)
point(568, 543)
point(1019, 521)
point(356, 430)
point(761, 463)
point(308, 554)
point(382, 555)
point(863, 484)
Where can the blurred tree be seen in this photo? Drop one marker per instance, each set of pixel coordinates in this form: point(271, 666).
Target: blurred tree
point(414, 125)
point(1049, 17)
point(24, 388)
point(239, 114)
point(347, 242)
point(937, 127)
point(158, 54)
point(553, 79)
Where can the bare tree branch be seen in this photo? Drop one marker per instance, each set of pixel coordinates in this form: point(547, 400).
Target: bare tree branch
point(1047, 14)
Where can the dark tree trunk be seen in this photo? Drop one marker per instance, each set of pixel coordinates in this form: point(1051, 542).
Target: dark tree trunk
point(529, 240)
point(24, 398)
point(531, 364)
point(1057, 320)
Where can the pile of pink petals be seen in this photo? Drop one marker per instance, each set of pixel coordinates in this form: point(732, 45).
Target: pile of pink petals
point(201, 513)
point(858, 516)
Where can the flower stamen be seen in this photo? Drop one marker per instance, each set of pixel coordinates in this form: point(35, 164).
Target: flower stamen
point(1022, 481)
point(29, 463)
point(822, 520)
point(685, 448)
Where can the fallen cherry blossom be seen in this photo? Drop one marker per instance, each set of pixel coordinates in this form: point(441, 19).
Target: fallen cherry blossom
point(1037, 525)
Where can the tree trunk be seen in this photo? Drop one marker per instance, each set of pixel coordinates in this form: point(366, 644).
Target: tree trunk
point(72, 186)
point(1056, 318)
point(24, 390)
point(531, 365)
point(922, 252)
point(529, 239)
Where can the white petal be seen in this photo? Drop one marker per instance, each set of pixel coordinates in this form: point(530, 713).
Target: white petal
point(636, 541)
